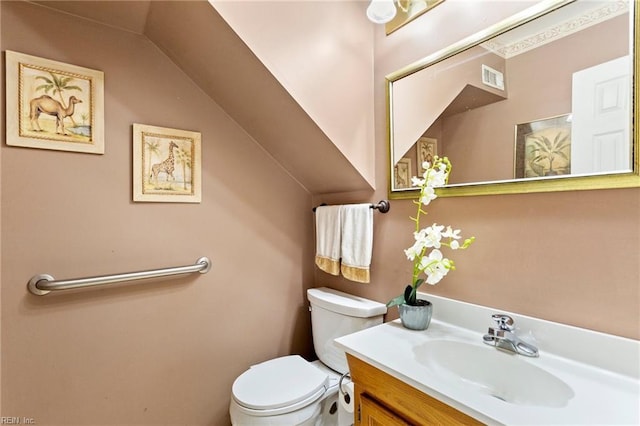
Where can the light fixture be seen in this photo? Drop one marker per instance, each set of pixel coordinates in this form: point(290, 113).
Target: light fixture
point(381, 11)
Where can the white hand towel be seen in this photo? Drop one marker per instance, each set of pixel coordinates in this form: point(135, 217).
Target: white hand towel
point(328, 233)
point(357, 241)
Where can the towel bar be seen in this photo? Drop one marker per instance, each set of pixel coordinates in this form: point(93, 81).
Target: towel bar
point(44, 284)
point(383, 206)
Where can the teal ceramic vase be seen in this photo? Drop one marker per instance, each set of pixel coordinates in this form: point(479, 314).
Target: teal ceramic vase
point(416, 317)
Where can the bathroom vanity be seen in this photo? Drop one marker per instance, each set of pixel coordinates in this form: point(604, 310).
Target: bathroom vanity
point(447, 375)
point(383, 399)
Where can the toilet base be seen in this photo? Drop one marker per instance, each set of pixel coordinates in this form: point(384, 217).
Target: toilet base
point(317, 414)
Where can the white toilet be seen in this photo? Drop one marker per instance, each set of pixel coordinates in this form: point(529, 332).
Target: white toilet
point(290, 391)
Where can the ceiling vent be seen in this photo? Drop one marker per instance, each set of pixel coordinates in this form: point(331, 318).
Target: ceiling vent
point(492, 77)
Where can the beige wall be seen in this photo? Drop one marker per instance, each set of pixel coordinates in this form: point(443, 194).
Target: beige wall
point(2, 129)
point(221, 64)
point(571, 257)
point(165, 352)
point(319, 51)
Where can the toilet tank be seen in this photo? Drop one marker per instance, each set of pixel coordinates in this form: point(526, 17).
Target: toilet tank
point(335, 314)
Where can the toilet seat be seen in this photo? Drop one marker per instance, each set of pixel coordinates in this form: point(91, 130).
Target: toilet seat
point(279, 386)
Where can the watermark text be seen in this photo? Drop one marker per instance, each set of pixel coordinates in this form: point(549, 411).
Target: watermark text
point(13, 420)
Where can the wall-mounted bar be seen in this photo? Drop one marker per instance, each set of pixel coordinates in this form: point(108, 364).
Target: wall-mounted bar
point(44, 284)
point(383, 206)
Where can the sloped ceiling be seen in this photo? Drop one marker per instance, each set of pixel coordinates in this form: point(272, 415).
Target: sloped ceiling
point(126, 15)
point(203, 45)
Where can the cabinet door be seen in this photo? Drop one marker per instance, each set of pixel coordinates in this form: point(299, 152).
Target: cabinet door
point(374, 414)
point(398, 403)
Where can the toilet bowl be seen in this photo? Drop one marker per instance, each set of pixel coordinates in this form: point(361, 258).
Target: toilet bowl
point(298, 392)
point(290, 391)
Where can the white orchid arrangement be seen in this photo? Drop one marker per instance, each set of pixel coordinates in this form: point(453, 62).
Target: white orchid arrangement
point(425, 253)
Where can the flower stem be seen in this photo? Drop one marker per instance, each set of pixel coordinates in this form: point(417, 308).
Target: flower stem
point(416, 264)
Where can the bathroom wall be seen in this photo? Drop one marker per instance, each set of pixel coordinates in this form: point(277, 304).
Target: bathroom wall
point(167, 352)
point(222, 65)
point(571, 257)
point(164, 352)
point(319, 51)
point(1, 130)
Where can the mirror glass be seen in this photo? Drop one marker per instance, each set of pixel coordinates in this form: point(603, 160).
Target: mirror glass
point(543, 96)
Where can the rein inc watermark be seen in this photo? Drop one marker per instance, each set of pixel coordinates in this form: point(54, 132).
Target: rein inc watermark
point(10, 420)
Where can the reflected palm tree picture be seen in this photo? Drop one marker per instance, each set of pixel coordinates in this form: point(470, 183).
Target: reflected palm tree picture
point(543, 148)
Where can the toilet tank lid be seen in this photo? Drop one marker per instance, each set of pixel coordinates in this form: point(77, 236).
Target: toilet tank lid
point(343, 303)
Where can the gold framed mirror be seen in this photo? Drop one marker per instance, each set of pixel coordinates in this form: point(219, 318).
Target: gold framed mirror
point(507, 104)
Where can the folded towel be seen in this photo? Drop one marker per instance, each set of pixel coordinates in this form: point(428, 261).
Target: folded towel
point(357, 241)
point(328, 233)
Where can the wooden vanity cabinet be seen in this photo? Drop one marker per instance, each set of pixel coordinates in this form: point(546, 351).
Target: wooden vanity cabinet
point(383, 400)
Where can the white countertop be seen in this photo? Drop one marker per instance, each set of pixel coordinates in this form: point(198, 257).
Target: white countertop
point(601, 370)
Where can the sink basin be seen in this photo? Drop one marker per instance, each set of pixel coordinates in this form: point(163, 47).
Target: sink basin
point(500, 374)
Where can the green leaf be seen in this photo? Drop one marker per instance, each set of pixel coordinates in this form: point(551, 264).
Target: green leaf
point(48, 80)
point(409, 295)
point(399, 300)
point(418, 283)
point(45, 87)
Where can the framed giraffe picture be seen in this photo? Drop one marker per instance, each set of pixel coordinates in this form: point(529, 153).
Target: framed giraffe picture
point(53, 105)
point(166, 165)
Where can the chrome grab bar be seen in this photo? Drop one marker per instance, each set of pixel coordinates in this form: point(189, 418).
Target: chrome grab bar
point(44, 284)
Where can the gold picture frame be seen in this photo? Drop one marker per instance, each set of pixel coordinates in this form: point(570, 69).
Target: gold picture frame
point(53, 105)
point(426, 148)
point(402, 173)
point(166, 165)
point(543, 148)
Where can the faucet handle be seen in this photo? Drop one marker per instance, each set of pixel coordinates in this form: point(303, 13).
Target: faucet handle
point(504, 322)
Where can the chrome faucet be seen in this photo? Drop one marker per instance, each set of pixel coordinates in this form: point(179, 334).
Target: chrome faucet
point(503, 337)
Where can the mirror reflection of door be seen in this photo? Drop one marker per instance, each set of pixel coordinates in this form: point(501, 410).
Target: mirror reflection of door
point(600, 123)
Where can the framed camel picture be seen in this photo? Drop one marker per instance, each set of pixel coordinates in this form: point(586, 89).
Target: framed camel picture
point(53, 105)
point(166, 165)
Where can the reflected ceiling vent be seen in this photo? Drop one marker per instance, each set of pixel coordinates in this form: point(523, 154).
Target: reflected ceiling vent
point(492, 78)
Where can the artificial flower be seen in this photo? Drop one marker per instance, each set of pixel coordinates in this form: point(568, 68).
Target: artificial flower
point(425, 253)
